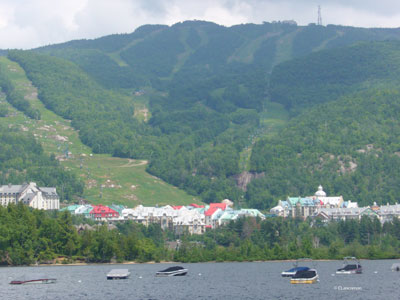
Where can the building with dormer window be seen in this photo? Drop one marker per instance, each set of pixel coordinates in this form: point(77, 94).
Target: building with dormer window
point(45, 198)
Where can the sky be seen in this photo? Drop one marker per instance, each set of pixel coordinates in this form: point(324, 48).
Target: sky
point(26, 24)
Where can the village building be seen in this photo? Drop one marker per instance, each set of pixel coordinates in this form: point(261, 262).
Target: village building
point(304, 207)
point(191, 219)
point(45, 198)
point(103, 213)
point(388, 212)
point(344, 213)
point(191, 222)
point(213, 213)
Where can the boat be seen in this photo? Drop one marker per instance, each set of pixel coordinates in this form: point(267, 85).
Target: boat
point(351, 265)
point(172, 271)
point(395, 267)
point(305, 276)
point(296, 267)
point(291, 272)
point(34, 278)
point(118, 274)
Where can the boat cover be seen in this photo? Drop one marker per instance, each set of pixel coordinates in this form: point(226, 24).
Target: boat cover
point(171, 269)
point(305, 274)
point(350, 267)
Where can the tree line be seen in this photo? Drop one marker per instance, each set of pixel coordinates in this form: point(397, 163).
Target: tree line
point(28, 236)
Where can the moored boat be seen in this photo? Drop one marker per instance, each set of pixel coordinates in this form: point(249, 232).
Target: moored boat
point(34, 278)
point(118, 274)
point(172, 271)
point(351, 265)
point(291, 272)
point(305, 276)
point(395, 267)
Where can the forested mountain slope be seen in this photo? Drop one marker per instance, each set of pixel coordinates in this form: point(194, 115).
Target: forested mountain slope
point(74, 169)
point(348, 137)
point(208, 91)
point(327, 75)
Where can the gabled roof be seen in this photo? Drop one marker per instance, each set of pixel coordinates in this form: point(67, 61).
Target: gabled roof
point(196, 205)
point(253, 212)
point(303, 201)
point(211, 211)
point(49, 190)
point(101, 209)
point(177, 207)
point(218, 205)
point(70, 208)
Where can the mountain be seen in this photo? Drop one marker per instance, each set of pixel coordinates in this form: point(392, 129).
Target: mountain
point(204, 103)
point(345, 133)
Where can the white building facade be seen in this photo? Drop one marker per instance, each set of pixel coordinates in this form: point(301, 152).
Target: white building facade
point(45, 198)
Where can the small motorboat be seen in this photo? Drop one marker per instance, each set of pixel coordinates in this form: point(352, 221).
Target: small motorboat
point(118, 274)
point(172, 271)
point(395, 267)
point(296, 267)
point(305, 276)
point(34, 278)
point(291, 272)
point(351, 265)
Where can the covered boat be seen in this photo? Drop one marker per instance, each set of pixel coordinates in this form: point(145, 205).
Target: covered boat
point(351, 265)
point(396, 267)
point(296, 267)
point(118, 274)
point(172, 271)
point(305, 276)
point(291, 272)
point(34, 278)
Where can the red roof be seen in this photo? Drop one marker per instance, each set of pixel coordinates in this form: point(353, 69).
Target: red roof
point(208, 226)
point(177, 207)
point(196, 205)
point(210, 211)
point(103, 211)
point(218, 205)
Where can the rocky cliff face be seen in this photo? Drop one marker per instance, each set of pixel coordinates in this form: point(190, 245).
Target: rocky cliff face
point(244, 178)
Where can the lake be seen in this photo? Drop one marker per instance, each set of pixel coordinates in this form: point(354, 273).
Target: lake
point(252, 280)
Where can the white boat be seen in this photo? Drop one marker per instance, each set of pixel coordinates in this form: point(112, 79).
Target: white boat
point(34, 279)
point(395, 267)
point(118, 274)
point(172, 271)
point(351, 265)
point(305, 276)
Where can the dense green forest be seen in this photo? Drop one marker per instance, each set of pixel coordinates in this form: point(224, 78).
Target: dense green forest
point(16, 99)
point(345, 133)
point(22, 160)
point(354, 152)
point(208, 89)
point(29, 236)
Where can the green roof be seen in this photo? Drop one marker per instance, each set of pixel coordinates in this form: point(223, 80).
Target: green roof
point(70, 208)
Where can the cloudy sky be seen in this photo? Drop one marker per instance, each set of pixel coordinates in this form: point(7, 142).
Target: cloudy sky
point(33, 23)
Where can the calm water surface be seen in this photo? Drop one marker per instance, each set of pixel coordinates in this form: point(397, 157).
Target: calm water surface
point(257, 280)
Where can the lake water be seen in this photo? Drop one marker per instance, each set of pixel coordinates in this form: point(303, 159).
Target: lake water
point(256, 280)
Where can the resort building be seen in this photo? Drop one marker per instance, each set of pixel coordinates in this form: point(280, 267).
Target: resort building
point(191, 219)
point(37, 197)
point(388, 212)
point(102, 213)
point(344, 213)
point(304, 207)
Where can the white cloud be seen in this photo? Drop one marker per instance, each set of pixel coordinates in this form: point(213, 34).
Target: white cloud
point(33, 23)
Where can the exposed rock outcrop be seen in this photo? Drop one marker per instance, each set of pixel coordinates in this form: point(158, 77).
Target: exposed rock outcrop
point(244, 178)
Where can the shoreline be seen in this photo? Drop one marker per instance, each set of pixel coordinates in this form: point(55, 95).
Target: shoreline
point(173, 262)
